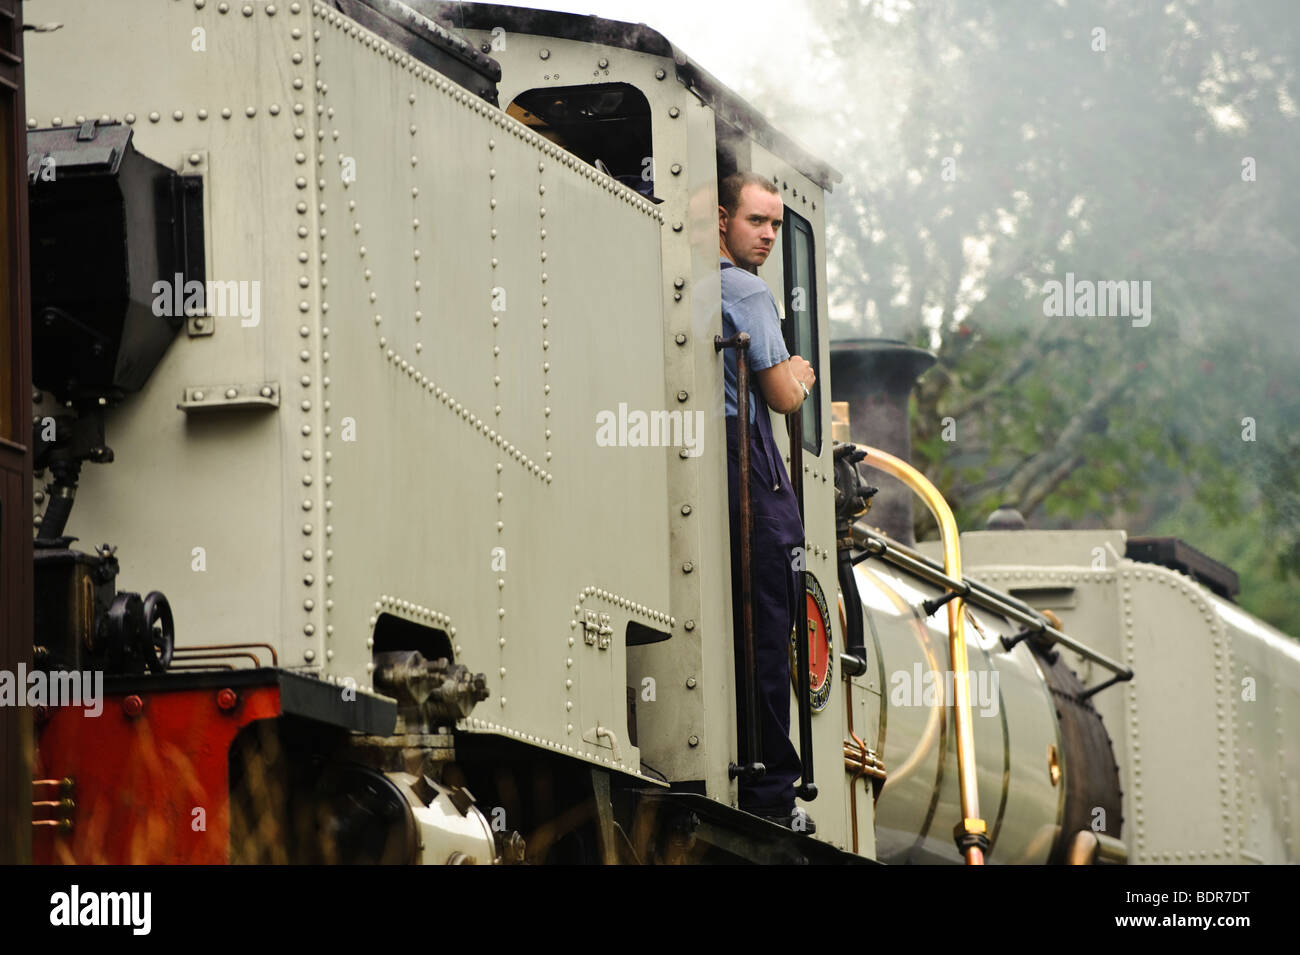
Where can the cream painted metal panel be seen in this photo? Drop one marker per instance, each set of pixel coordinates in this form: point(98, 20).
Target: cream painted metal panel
point(704, 535)
point(697, 699)
point(1184, 732)
point(386, 478)
point(226, 483)
point(1265, 707)
point(549, 341)
point(866, 724)
point(687, 731)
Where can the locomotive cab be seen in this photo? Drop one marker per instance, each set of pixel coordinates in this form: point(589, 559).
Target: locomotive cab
point(623, 98)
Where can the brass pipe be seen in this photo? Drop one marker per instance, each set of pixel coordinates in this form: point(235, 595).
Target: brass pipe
point(63, 824)
point(275, 661)
point(970, 832)
point(858, 759)
point(54, 803)
point(861, 761)
point(849, 763)
point(187, 657)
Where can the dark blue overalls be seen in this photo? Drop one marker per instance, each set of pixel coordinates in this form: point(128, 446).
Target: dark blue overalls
point(777, 531)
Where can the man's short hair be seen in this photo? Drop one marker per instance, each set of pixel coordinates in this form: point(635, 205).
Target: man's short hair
point(730, 188)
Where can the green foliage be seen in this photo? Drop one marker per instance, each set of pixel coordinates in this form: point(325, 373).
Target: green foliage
point(1115, 164)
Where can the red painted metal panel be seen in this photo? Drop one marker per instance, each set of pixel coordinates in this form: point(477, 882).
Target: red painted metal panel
point(139, 779)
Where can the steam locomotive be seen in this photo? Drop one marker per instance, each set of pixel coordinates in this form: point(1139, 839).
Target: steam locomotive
point(328, 302)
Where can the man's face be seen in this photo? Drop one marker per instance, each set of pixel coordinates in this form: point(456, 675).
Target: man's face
point(750, 234)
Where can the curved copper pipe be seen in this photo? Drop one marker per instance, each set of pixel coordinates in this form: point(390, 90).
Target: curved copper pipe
point(187, 657)
point(858, 758)
point(930, 734)
point(967, 780)
point(275, 660)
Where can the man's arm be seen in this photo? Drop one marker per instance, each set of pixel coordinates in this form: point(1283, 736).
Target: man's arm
point(780, 384)
point(778, 372)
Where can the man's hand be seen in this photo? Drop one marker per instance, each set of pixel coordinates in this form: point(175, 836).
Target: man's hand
point(781, 384)
point(802, 372)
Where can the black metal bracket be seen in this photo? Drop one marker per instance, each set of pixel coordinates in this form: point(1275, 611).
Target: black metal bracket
point(1117, 678)
point(851, 665)
point(1009, 643)
point(933, 604)
point(748, 772)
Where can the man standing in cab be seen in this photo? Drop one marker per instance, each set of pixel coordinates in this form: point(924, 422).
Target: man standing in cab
point(749, 217)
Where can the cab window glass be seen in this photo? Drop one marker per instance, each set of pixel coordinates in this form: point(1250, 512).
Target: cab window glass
point(801, 316)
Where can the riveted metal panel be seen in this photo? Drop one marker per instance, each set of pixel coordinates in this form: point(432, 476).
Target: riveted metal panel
point(227, 483)
point(1262, 685)
point(686, 716)
point(361, 191)
point(480, 490)
point(1208, 772)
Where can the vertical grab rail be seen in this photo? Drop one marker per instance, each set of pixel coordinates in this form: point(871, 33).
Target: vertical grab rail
point(752, 768)
point(807, 787)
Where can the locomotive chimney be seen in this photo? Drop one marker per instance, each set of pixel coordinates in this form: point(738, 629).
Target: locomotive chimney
point(875, 376)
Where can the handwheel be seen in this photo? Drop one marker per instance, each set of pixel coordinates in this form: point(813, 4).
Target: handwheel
point(162, 632)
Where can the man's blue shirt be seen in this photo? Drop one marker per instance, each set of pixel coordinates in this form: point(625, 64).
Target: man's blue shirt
point(748, 306)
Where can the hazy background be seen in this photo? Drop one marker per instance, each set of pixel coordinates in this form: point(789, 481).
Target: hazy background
point(990, 147)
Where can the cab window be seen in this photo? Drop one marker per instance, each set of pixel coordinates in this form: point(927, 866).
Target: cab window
point(800, 326)
point(604, 124)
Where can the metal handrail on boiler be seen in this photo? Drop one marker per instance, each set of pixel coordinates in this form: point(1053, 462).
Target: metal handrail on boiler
point(877, 545)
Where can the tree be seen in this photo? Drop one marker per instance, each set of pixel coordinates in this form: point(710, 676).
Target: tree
point(989, 151)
